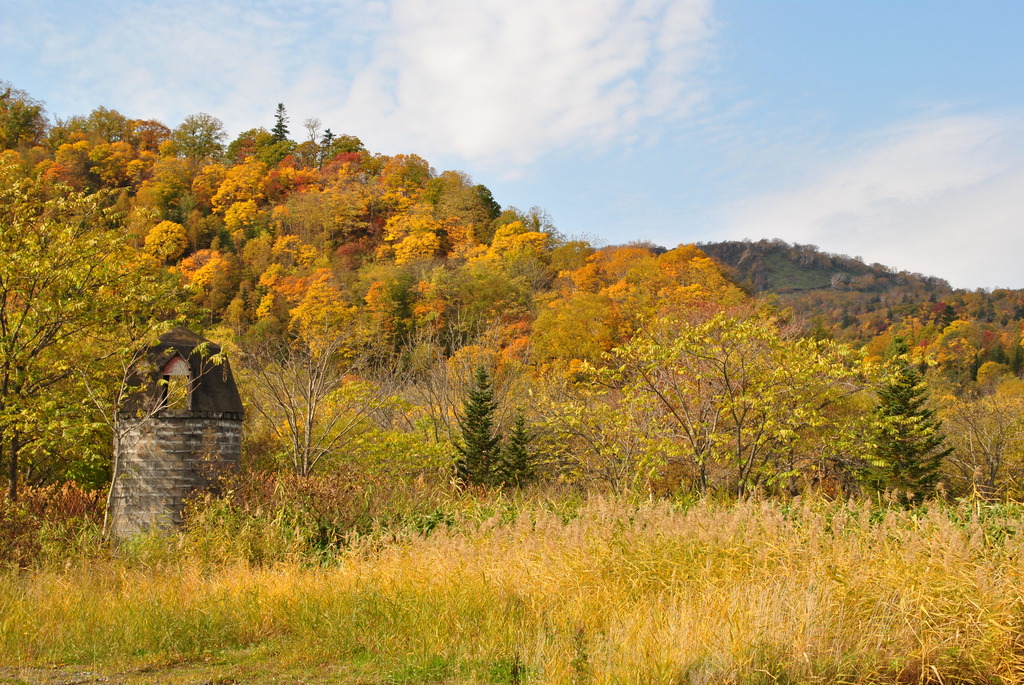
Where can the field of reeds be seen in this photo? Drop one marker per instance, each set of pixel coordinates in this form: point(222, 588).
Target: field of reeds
point(490, 588)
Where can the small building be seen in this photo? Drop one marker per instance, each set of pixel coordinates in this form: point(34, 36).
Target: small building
point(180, 425)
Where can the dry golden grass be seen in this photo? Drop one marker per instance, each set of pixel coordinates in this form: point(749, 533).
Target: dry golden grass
point(750, 592)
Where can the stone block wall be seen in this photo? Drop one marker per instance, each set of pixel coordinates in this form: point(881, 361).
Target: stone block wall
point(164, 459)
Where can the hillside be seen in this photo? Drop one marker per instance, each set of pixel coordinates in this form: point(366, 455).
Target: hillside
point(408, 289)
point(866, 304)
point(778, 267)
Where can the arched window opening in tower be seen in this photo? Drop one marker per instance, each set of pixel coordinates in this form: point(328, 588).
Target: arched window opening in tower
point(176, 385)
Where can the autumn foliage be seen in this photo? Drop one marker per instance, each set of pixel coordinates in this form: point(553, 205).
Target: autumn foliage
point(633, 368)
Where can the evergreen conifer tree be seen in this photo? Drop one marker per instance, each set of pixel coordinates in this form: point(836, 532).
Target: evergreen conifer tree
point(326, 143)
point(478, 453)
point(280, 130)
point(906, 446)
point(516, 466)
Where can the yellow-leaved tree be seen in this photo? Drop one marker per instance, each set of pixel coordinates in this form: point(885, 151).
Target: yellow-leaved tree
point(742, 403)
point(315, 393)
point(166, 241)
point(75, 302)
point(414, 235)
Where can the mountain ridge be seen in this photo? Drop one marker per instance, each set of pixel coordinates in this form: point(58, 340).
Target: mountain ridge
point(773, 265)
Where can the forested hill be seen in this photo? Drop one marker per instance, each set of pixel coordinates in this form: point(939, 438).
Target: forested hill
point(778, 267)
point(314, 254)
point(844, 298)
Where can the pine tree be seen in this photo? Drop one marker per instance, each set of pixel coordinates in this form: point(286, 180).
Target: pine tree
point(326, 143)
point(906, 450)
point(516, 463)
point(280, 130)
point(478, 452)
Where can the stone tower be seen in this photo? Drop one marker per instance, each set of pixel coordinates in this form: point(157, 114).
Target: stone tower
point(181, 424)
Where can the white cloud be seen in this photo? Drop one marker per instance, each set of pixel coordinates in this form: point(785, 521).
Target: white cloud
point(490, 82)
point(168, 60)
point(942, 195)
point(502, 83)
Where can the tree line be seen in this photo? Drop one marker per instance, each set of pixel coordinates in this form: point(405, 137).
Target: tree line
point(393, 319)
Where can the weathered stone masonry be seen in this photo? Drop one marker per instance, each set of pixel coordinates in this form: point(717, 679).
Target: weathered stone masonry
point(169, 447)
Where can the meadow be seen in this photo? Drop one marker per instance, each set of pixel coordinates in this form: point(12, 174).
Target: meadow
point(486, 587)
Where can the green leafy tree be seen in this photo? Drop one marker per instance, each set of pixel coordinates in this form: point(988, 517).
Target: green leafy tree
point(342, 144)
point(201, 136)
point(261, 144)
point(479, 452)
point(593, 436)
point(907, 441)
point(107, 126)
point(74, 296)
point(737, 395)
point(22, 119)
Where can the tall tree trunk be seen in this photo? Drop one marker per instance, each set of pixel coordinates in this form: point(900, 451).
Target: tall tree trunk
point(12, 469)
point(114, 475)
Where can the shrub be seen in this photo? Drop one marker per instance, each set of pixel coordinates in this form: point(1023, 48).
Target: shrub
point(50, 523)
point(263, 516)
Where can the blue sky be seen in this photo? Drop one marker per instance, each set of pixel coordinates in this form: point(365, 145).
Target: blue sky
point(888, 130)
